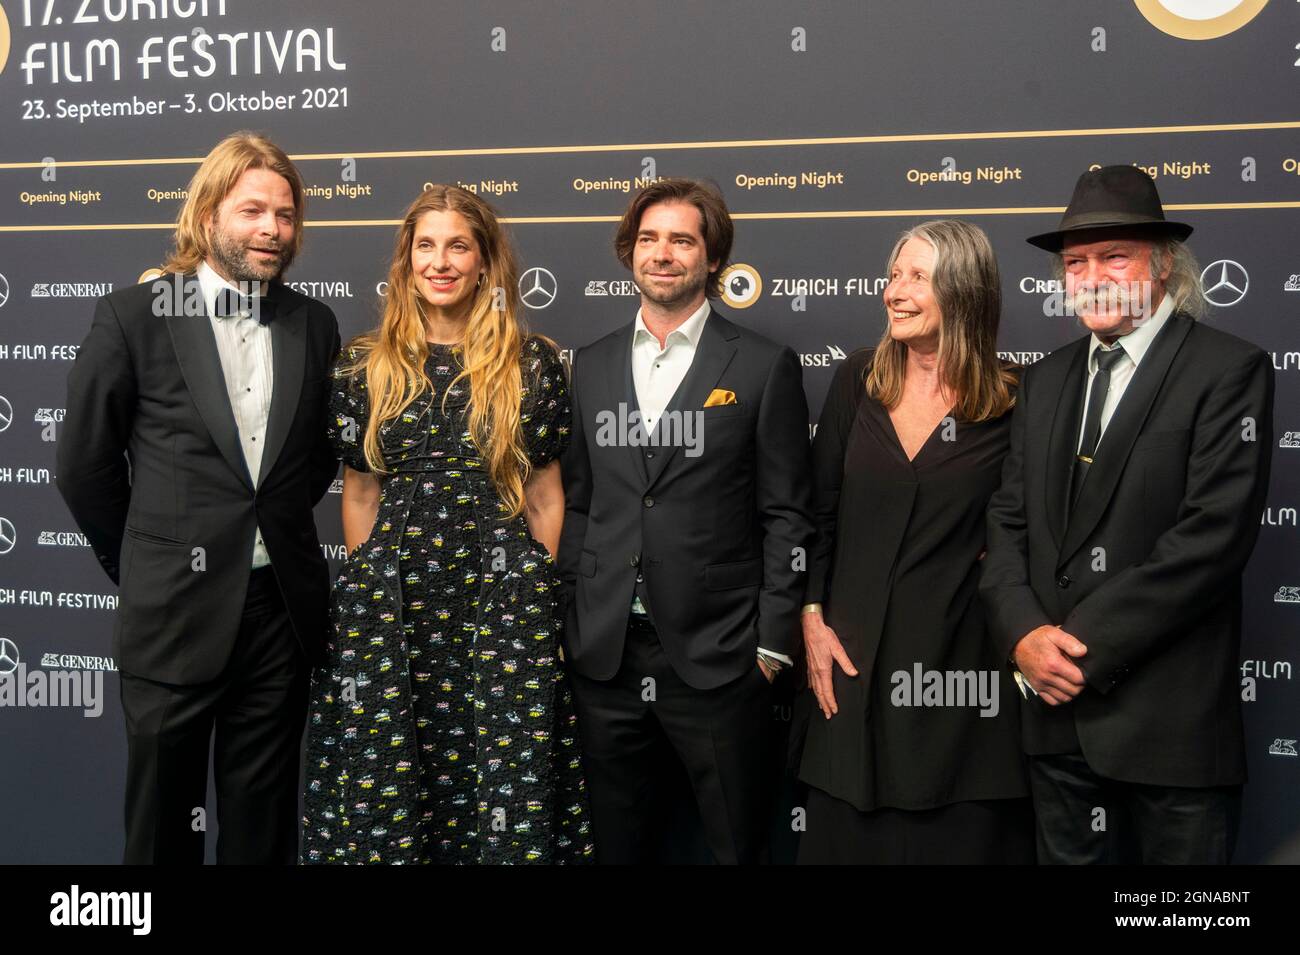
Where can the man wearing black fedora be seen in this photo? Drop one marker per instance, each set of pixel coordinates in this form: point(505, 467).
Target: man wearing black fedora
point(1129, 505)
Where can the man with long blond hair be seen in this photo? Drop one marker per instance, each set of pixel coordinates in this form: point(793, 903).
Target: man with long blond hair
point(193, 451)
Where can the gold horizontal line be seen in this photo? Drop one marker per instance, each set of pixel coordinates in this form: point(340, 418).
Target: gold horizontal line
point(707, 144)
point(92, 227)
point(1211, 206)
point(995, 211)
point(551, 220)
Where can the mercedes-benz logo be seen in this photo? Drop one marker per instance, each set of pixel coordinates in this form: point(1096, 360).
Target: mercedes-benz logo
point(8, 655)
point(537, 287)
point(1224, 282)
point(4, 290)
point(6, 413)
point(7, 536)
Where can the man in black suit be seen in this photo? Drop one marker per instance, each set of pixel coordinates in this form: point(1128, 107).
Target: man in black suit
point(1130, 503)
point(687, 515)
point(193, 451)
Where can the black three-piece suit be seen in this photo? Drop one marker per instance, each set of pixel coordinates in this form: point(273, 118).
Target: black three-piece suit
point(714, 544)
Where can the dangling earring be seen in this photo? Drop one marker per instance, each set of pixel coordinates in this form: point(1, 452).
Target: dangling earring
point(479, 283)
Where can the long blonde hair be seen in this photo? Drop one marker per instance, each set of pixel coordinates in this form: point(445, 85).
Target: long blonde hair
point(968, 291)
point(216, 176)
point(394, 354)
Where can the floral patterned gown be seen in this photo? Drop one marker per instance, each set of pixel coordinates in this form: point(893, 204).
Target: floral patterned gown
point(441, 728)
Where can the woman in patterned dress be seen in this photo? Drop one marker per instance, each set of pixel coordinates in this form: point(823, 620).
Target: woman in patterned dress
point(441, 727)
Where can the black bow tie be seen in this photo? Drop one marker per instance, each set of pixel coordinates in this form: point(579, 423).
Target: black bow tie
point(230, 303)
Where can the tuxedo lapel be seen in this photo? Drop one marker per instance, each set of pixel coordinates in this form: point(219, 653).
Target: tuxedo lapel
point(1117, 440)
point(200, 363)
point(288, 360)
point(714, 352)
point(1063, 444)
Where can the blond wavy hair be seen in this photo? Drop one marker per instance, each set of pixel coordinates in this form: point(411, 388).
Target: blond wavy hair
point(393, 355)
point(216, 176)
point(968, 291)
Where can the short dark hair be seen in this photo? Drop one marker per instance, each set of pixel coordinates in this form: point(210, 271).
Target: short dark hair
point(715, 219)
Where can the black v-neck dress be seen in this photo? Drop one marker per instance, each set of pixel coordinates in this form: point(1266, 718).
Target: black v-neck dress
point(896, 567)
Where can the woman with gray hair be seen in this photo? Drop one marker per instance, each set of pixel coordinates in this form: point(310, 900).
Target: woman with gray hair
point(912, 747)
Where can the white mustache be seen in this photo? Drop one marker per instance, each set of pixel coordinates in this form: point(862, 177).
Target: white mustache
point(1112, 296)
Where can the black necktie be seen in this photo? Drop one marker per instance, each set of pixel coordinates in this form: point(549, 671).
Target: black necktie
point(1106, 360)
point(229, 303)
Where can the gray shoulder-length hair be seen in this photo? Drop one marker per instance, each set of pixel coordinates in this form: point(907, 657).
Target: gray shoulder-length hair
point(968, 290)
point(1184, 282)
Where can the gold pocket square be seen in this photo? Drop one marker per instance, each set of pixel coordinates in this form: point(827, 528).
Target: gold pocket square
point(720, 396)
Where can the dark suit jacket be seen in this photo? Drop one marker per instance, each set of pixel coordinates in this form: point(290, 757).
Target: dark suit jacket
point(1146, 571)
point(714, 534)
point(152, 387)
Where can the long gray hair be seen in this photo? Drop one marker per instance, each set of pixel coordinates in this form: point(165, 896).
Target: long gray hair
point(1184, 282)
point(968, 291)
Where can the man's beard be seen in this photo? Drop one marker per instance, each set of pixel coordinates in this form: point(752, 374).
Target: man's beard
point(232, 255)
point(684, 293)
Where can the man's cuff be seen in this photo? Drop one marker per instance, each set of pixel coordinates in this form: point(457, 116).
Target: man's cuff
point(1023, 684)
point(779, 657)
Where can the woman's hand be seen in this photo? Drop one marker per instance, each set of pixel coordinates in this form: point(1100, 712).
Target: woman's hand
point(544, 506)
point(360, 506)
point(824, 650)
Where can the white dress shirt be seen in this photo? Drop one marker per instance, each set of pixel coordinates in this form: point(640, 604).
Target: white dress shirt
point(657, 373)
point(1135, 345)
point(244, 345)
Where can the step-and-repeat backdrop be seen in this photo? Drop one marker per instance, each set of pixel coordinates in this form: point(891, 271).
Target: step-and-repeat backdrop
point(829, 126)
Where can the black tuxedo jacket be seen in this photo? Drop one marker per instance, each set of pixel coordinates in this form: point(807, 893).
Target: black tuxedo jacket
point(1146, 570)
point(719, 536)
point(150, 465)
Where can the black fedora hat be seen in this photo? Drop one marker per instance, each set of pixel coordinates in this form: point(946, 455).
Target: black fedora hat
point(1112, 196)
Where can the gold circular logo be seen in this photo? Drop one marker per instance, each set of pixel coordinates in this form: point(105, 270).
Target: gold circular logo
point(4, 39)
point(1199, 19)
point(741, 285)
point(148, 275)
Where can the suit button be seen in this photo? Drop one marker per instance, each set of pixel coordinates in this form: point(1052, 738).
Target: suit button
point(649, 454)
point(649, 502)
point(636, 560)
point(1063, 581)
